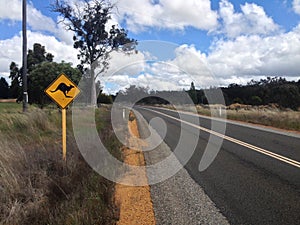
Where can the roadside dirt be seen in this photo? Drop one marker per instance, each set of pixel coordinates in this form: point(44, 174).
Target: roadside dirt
point(134, 201)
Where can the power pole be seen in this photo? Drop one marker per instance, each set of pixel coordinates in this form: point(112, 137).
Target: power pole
point(24, 66)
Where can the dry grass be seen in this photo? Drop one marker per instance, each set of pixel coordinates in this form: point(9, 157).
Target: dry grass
point(264, 115)
point(36, 186)
point(289, 120)
point(8, 100)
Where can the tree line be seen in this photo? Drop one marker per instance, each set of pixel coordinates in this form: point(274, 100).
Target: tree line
point(41, 72)
point(272, 90)
point(278, 90)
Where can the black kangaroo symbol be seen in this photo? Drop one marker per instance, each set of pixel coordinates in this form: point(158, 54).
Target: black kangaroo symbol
point(64, 89)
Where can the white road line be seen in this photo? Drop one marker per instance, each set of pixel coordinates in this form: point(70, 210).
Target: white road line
point(250, 146)
point(291, 133)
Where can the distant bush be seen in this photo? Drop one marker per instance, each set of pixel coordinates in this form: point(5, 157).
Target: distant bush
point(104, 99)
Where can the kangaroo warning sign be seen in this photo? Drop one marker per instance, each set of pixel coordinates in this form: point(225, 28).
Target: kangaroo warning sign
point(62, 91)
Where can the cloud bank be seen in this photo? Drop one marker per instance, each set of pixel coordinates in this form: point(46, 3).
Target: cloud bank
point(247, 43)
point(176, 14)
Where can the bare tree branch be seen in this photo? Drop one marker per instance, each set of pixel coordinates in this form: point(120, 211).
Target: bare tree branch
point(90, 35)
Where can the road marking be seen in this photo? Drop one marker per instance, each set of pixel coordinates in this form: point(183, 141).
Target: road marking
point(236, 141)
point(260, 127)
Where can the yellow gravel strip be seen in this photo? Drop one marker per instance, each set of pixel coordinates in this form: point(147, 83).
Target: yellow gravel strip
point(134, 201)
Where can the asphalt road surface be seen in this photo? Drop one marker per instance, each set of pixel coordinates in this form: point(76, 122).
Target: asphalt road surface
point(255, 177)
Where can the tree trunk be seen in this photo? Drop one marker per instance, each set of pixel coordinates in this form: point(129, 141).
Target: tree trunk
point(93, 88)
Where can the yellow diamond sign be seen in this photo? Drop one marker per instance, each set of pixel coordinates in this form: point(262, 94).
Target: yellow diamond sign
point(62, 91)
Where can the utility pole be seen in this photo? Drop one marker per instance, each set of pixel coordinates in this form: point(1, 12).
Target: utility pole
point(24, 66)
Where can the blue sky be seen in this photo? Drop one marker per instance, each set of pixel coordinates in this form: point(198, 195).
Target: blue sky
point(234, 40)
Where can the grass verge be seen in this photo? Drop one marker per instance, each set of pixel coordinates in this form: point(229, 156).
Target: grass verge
point(36, 186)
point(278, 118)
point(267, 116)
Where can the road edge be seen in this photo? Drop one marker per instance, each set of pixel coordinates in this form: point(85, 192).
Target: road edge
point(134, 202)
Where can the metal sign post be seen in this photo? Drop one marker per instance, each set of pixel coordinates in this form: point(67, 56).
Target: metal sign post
point(63, 91)
point(24, 55)
point(64, 133)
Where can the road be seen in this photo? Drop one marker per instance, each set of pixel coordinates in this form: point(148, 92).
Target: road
point(255, 177)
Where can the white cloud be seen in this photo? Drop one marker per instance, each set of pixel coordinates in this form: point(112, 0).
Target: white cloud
point(149, 81)
point(190, 60)
point(296, 6)
point(232, 61)
point(277, 55)
point(255, 45)
point(173, 74)
point(229, 61)
point(60, 50)
point(39, 22)
point(237, 60)
point(11, 50)
point(62, 34)
point(252, 20)
point(11, 10)
point(121, 63)
point(176, 14)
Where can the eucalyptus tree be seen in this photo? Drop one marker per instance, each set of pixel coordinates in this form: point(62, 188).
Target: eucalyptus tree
point(88, 20)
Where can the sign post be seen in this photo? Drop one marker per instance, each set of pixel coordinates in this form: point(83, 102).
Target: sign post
point(63, 91)
point(64, 133)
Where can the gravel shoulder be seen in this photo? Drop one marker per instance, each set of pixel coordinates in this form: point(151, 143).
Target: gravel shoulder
point(179, 199)
point(134, 202)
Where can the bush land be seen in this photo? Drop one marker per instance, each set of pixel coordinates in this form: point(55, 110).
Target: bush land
point(36, 186)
